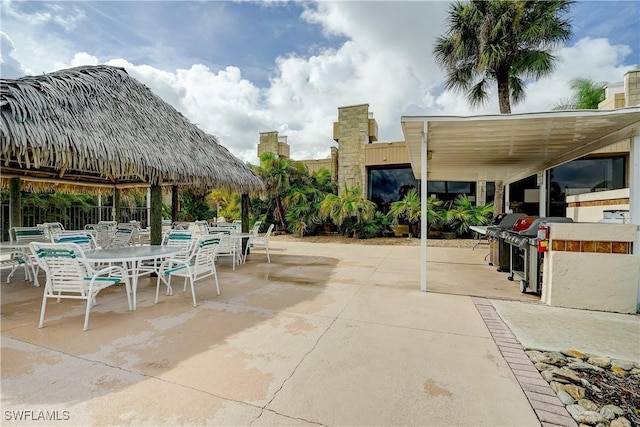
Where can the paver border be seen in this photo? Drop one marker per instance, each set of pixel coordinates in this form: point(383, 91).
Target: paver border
point(549, 409)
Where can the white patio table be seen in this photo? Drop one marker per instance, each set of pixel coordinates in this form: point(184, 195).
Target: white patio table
point(132, 258)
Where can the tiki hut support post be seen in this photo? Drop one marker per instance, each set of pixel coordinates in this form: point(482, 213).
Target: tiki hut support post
point(116, 205)
point(244, 216)
point(99, 207)
point(15, 203)
point(155, 215)
point(174, 203)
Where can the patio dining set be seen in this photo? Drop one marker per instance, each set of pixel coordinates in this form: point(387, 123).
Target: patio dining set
point(78, 264)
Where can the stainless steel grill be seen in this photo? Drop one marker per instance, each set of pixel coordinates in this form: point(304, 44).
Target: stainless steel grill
point(498, 248)
point(524, 259)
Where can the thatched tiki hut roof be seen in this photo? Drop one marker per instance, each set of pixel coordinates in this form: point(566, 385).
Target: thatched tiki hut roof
point(98, 125)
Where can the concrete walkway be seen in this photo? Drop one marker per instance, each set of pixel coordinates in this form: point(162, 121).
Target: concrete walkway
point(327, 334)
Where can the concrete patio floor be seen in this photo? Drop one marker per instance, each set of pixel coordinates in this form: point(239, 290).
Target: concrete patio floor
point(327, 334)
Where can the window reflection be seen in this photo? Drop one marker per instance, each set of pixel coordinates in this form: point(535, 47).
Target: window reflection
point(390, 185)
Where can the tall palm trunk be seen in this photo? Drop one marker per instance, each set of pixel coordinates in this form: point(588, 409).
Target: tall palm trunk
point(280, 208)
point(503, 95)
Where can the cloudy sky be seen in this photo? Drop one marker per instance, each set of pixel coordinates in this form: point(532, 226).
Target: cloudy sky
point(240, 68)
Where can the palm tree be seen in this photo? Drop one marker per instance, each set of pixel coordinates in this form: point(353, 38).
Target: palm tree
point(349, 208)
point(274, 171)
point(501, 41)
point(464, 214)
point(407, 209)
point(587, 94)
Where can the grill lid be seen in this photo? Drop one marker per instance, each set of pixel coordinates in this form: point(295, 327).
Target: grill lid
point(523, 223)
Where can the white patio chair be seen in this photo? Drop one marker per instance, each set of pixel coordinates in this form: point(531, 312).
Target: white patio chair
point(202, 226)
point(70, 276)
point(228, 246)
point(19, 259)
point(51, 228)
point(84, 239)
point(27, 235)
point(183, 239)
point(123, 236)
point(101, 232)
point(262, 242)
point(199, 265)
point(256, 228)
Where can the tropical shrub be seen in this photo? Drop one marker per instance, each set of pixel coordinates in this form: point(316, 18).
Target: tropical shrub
point(465, 214)
point(347, 211)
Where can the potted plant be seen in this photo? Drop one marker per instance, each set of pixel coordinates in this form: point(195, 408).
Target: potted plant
point(407, 211)
point(463, 214)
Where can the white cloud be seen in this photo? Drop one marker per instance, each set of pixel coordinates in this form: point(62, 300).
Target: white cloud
point(10, 67)
point(387, 62)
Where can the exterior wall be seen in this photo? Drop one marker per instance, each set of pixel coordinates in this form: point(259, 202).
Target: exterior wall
point(613, 102)
point(315, 165)
point(386, 154)
point(588, 268)
point(589, 207)
point(621, 147)
point(353, 125)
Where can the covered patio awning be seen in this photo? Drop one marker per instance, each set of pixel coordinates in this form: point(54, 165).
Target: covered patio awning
point(511, 147)
point(508, 148)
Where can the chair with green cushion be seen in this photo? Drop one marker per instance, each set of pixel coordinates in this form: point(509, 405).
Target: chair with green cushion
point(70, 276)
point(199, 265)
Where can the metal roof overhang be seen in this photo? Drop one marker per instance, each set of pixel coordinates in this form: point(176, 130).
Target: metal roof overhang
point(511, 147)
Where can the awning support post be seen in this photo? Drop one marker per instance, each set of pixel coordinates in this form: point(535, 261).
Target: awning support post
point(542, 211)
point(423, 211)
point(634, 197)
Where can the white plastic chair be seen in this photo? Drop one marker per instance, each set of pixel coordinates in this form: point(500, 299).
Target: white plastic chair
point(101, 232)
point(70, 276)
point(51, 228)
point(262, 242)
point(122, 236)
point(27, 235)
point(228, 246)
point(84, 239)
point(199, 265)
point(183, 239)
point(202, 226)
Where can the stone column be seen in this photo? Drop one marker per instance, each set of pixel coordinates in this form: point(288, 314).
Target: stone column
point(481, 193)
point(632, 88)
point(268, 143)
point(353, 126)
point(498, 203)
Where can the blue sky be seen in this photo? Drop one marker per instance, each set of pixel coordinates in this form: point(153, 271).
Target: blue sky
point(240, 68)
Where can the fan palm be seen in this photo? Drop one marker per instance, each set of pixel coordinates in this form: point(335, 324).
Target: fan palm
point(587, 94)
point(501, 41)
point(348, 207)
point(464, 214)
point(275, 171)
point(408, 209)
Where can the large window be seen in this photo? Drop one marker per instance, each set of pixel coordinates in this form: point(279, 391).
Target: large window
point(449, 190)
point(584, 176)
point(390, 185)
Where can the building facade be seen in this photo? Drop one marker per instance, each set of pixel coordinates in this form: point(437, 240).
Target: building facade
point(382, 170)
